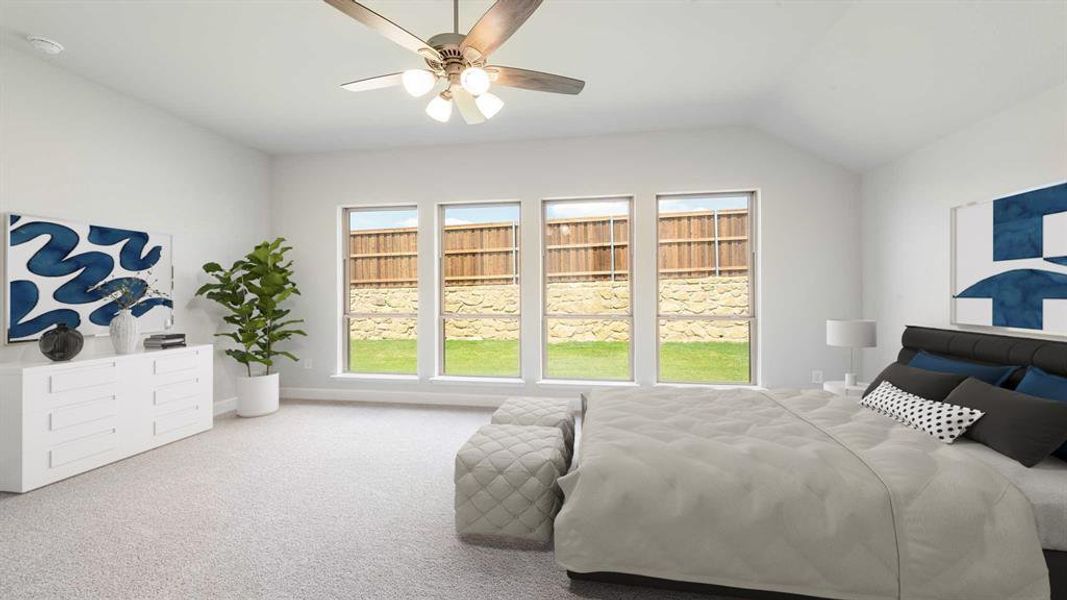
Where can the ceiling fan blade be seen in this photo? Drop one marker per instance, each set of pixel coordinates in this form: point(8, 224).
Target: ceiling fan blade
point(374, 83)
point(535, 80)
point(467, 107)
point(497, 25)
point(385, 27)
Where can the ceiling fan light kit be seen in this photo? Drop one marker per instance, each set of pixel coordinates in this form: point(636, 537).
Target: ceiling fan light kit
point(418, 82)
point(440, 108)
point(460, 61)
point(489, 104)
point(475, 80)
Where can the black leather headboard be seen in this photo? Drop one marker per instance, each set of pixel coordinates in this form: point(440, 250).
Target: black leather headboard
point(986, 348)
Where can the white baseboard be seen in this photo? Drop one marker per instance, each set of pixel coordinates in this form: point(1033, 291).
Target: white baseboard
point(395, 397)
point(225, 405)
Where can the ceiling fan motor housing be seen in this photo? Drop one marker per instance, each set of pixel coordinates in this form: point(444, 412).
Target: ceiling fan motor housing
point(454, 60)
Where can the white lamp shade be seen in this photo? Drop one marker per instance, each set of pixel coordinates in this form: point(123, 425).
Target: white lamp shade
point(418, 82)
point(440, 108)
point(489, 104)
point(475, 80)
point(851, 334)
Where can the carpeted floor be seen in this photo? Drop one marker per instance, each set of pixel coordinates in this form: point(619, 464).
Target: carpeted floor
point(320, 500)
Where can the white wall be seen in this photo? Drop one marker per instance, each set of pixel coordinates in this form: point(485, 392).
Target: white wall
point(809, 267)
point(905, 207)
point(72, 149)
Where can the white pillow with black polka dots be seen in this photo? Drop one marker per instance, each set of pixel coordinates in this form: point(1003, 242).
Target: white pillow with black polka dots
point(945, 422)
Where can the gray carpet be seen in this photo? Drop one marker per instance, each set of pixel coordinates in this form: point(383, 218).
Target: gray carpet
point(320, 500)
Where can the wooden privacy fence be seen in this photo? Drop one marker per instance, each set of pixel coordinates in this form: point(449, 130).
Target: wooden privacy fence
point(691, 244)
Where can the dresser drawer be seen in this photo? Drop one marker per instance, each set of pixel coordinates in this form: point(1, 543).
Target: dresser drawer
point(72, 415)
point(175, 363)
point(45, 430)
point(180, 404)
point(83, 448)
point(45, 391)
point(82, 378)
point(167, 395)
point(181, 419)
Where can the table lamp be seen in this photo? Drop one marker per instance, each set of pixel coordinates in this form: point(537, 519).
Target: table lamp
point(851, 334)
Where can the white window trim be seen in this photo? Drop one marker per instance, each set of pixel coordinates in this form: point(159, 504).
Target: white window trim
point(644, 318)
point(753, 308)
point(347, 315)
point(439, 283)
point(628, 316)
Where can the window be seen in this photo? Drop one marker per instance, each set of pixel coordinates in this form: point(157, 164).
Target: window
point(705, 279)
point(587, 321)
point(382, 289)
point(479, 249)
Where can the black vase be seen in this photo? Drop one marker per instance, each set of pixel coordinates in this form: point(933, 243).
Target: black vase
point(61, 343)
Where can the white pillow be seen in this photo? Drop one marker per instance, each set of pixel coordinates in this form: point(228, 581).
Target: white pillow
point(945, 422)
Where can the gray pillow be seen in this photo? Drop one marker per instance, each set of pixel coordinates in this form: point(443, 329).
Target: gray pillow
point(1022, 427)
point(931, 385)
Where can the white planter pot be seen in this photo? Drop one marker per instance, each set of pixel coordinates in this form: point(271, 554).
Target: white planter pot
point(124, 334)
point(257, 396)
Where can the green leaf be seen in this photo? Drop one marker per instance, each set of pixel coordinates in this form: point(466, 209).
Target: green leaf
point(252, 292)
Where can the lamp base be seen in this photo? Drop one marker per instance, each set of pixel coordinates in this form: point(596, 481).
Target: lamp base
point(850, 379)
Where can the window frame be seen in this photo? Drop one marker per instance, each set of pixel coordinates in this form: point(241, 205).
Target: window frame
point(628, 316)
point(347, 315)
point(442, 317)
point(751, 318)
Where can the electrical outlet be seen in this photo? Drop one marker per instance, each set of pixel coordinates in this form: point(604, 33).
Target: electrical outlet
point(816, 376)
point(307, 363)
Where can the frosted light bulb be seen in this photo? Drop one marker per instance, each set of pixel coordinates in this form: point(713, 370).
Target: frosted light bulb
point(489, 104)
point(418, 82)
point(440, 108)
point(475, 80)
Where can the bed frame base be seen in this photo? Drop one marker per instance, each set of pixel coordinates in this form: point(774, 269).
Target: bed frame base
point(1057, 574)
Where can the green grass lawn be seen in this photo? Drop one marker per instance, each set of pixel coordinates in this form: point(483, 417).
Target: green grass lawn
point(704, 362)
point(696, 362)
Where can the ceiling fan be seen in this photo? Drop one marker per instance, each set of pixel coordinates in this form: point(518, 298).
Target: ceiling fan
point(459, 61)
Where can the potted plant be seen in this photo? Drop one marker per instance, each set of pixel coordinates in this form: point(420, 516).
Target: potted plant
point(252, 291)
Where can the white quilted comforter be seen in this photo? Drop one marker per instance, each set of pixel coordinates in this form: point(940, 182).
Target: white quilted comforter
point(791, 491)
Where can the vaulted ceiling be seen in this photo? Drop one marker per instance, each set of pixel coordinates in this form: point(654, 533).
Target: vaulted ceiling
point(858, 83)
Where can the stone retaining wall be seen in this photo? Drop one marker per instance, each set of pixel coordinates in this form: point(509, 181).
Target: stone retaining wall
point(703, 296)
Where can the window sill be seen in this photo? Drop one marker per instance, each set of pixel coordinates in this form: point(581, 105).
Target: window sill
point(709, 386)
point(374, 377)
point(460, 380)
point(586, 383)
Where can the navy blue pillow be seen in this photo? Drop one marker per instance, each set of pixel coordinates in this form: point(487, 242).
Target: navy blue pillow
point(993, 375)
point(1045, 385)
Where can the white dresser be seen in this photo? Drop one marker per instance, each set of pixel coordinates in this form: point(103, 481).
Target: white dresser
point(61, 419)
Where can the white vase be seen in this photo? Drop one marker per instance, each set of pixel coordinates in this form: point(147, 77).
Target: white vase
point(257, 396)
point(124, 334)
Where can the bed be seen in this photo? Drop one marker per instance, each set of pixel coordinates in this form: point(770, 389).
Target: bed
point(802, 494)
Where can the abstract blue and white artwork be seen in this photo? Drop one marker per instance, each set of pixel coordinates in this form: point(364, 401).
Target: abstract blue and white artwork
point(1010, 261)
point(53, 269)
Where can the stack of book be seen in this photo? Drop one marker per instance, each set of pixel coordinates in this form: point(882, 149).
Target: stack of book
point(161, 341)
